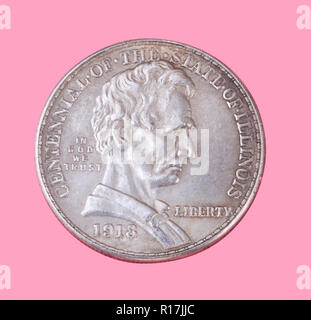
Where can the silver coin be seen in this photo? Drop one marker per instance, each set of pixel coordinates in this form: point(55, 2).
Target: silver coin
point(150, 150)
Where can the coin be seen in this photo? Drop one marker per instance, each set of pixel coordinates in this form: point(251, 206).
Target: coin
point(150, 150)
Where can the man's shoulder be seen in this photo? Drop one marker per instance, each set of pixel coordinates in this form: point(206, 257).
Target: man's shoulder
point(105, 199)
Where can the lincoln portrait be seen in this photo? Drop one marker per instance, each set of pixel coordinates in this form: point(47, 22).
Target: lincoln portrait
point(154, 97)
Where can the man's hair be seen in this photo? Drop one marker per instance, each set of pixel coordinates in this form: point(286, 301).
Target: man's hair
point(129, 96)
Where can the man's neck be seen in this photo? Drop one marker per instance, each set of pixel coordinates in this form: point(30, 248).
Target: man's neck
point(122, 177)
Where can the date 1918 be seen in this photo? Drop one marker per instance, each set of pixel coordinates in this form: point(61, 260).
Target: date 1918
point(115, 231)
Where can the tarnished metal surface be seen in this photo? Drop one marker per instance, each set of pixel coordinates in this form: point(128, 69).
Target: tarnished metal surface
point(150, 150)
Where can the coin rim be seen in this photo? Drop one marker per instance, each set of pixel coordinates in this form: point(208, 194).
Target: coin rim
point(92, 243)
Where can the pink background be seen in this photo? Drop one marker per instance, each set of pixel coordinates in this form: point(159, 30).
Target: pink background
point(258, 40)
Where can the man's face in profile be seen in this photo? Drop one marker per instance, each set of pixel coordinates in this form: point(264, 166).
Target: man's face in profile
point(172, 115)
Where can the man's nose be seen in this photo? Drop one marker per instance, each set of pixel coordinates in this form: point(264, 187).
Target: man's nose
point(192, 148)
point(187, 148)
point(189, 123)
